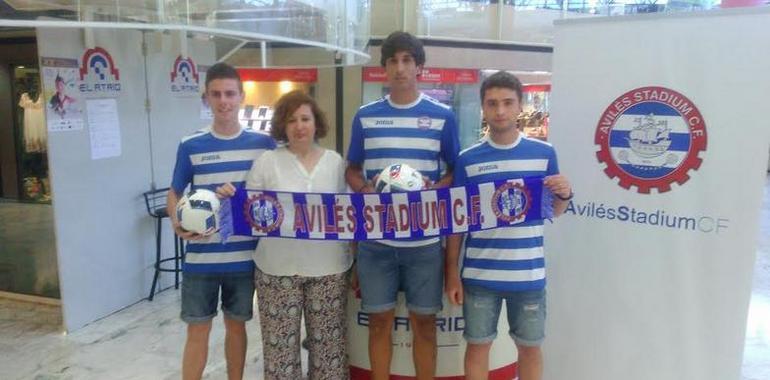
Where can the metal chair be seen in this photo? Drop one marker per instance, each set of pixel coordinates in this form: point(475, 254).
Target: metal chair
point(155, 201)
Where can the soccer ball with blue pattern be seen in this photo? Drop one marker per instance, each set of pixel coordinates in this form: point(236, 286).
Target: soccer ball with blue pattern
point(198, 212)
point(398, 178)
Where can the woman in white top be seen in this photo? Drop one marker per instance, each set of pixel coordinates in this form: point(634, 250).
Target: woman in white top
point(296, 277)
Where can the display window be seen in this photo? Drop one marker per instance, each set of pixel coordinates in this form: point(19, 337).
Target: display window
point(28, 263)
point(457, 88)
point(533, 120)
point(263, 87)
point(31, 135)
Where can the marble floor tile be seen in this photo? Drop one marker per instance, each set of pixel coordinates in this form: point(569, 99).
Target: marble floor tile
point(144, 341)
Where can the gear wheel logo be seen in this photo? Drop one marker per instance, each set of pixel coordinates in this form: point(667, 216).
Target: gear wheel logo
point(650, 137)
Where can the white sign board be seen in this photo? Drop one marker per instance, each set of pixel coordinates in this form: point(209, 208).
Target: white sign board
point(660, 122)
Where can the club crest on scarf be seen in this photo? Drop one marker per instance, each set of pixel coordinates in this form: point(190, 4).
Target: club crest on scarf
point(511, 201)
point(263, 212)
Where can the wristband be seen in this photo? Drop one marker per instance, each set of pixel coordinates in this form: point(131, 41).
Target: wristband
point(568, 197)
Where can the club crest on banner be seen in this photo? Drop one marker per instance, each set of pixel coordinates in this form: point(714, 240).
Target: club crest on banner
point(511, 201)
point(263, 212)
point(650, 137)
point(184, 77)
point(99, 75)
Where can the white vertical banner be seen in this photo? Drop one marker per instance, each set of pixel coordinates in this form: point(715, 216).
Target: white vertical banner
point(660, 122)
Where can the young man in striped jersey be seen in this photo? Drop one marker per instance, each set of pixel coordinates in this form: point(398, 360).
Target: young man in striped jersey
point(505, 263)
point(222, 153)
point(403, 127)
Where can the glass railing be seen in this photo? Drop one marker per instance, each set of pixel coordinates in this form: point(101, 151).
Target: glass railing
point(519, 21)
point(331, 31)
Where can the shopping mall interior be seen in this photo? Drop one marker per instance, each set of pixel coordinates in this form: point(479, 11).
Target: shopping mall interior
point(79, 294)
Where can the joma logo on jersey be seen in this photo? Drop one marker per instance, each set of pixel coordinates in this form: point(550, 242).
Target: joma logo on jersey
point(485, 168)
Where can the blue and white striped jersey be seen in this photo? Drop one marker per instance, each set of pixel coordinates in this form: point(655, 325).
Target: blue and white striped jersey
point(206, 160)
point(422, 134)
point(508, 258)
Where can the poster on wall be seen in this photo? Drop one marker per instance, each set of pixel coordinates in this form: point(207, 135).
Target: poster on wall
point(205, 110)
point(205, 113)
point(185, 81)
point(99, 75)
point(63, 104)
point(103, 128)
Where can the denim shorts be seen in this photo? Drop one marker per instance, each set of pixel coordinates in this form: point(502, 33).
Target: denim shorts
point(525, 309)
point(200, 295)
point(384, 270)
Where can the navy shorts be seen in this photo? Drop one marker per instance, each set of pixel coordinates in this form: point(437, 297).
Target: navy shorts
point(200, 295)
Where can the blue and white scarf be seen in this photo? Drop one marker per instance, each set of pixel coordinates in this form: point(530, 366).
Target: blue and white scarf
point(375, 216)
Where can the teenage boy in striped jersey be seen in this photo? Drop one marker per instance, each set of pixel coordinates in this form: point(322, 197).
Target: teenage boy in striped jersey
point(504, 263)
point(222, 153)
point(403, 127)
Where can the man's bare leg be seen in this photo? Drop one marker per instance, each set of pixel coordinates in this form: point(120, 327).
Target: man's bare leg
point(196, 350)
point(424, 345)
point(381, 343)
point(235, 348)
point(530, 362)
point(477, 361)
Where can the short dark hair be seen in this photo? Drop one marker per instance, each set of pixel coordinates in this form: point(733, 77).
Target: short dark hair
point(285, 108)
point(501, 79)
point(402, 41)
point(222, 70)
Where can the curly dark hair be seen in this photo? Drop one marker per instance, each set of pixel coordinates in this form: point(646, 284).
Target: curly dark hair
point(285, 108)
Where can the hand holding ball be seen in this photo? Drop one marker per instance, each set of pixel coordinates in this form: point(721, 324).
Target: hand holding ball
point(198, 212)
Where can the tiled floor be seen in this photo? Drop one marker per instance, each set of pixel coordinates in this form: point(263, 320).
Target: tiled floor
point(145, 341)
point(141, 342)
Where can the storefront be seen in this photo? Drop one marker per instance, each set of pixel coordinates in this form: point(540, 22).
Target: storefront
point(28, 263)
point(534, 110)
point(263, 87)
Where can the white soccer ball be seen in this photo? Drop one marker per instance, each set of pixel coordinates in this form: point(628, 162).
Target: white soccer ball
point(398, 178)
point(198, 212)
